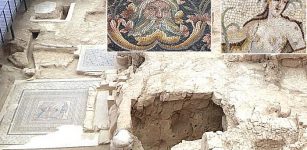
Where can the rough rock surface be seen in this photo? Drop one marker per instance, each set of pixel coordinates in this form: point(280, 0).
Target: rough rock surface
point(19, 59)
point(186, 145)
point(47, 58)
point(17, 45)
point(174, 118)
point(259, 98)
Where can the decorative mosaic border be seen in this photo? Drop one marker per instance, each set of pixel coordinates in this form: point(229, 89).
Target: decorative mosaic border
point(14, 97)
point(24, 122)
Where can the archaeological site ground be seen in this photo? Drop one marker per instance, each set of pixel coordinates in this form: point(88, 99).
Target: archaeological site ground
point(153, 75)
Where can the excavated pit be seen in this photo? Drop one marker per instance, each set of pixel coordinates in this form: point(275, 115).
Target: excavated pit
point(164, 124)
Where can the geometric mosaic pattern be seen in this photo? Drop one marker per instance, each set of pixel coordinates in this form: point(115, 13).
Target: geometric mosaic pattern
point(40, 106)
point(95, 58)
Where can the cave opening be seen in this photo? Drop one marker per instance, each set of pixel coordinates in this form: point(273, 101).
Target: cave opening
point(164, 124)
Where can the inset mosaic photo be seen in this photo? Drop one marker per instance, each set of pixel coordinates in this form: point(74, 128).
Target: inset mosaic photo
point(263, 26)
point(159, 25)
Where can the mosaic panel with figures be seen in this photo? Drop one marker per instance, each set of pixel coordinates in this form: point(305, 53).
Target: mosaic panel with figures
point(41, 111)
point(41, 106)
point(263, 26)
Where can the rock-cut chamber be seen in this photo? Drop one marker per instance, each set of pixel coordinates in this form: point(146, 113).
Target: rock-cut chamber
point(166, 123)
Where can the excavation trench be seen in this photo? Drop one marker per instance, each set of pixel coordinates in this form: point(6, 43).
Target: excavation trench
point(164, 124)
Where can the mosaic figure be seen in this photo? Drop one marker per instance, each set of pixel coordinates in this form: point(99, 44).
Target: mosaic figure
point(159, 25)
point(267, 32)
point(52, 110)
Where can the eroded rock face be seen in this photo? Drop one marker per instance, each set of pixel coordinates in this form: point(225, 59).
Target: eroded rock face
point(263, 99)
point(260, 133)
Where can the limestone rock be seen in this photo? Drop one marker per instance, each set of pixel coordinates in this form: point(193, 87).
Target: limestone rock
point(122, 60)
point(302, 118)
point(29, 71)
point(19, 59)
point(122, 140)
point(113, 115)
point(158, 97)
point(188, 145)
point(294, 63)
point(104, 137)
point(52, 59)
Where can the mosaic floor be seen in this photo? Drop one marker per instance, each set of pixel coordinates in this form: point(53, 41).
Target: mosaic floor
point(95, 58)
point(264, 26)
point(37, 108)
point(40, 107)
point(159, 25)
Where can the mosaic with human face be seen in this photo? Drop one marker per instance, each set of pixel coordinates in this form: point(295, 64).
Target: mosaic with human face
point(276, 7)
point(263, 26)
point(157, 10)
point(159, 25)
point(156, 15)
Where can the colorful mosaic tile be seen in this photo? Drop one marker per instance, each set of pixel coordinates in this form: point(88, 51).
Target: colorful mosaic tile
point(41, 111)
point(264, 26)
point(159, 25)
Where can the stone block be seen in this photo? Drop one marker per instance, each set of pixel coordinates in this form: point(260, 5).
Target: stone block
point(113, 116)
point(101, 119)
point(88, 121)
point(104, 137)
point(122, 78)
